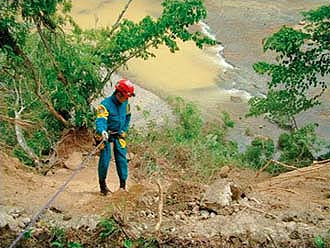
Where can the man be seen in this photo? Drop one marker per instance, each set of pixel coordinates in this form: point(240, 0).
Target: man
point(112, 123)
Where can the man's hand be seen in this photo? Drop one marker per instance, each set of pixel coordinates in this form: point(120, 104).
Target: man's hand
point(105, 135)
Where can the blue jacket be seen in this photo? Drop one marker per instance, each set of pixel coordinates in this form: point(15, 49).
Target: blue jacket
point(113, 115)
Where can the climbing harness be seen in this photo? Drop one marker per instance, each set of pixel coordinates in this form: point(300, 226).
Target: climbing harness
point(60, 190)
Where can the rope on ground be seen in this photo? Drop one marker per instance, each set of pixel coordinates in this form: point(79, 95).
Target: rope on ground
point(60, 190)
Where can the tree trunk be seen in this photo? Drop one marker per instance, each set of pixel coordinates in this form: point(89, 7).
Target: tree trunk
point(21, 141)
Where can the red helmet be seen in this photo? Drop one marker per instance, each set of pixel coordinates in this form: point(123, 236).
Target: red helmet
point(125, 87)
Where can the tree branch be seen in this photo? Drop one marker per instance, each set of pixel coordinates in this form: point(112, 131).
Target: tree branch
point(116, 24)
point(60, 75)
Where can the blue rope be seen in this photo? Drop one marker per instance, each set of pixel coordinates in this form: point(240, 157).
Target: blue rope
point(60, 190)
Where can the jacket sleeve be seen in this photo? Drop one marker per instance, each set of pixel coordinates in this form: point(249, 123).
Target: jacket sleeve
point(101, 119)
point(128, 118)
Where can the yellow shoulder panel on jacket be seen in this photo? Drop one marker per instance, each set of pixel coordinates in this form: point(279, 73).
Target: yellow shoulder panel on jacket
point(128, 109)
point(102, 112)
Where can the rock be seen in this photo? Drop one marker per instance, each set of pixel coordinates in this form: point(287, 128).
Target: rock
point(236, 192)
point(294, 235)
point(26, 220)
point(218, 195)
point(57, 210)
point(130, 155)
point(5, 219)
point(195, 209)
point(142, 213)
point(204, 214)
point(73, 161)
point(287, 218)
point(21, 224)
point(236, 99)
point(224, 171)
point(67, 217)
point(15, 212)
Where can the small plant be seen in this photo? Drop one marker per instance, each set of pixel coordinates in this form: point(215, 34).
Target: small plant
point(319, 242)
point(127, 243)
point(190, 121)
point(28, 234)
point(108, 227)
point(227, 121)
point(58, 237)
point(259, 152)
point(74, 245)
point(296, 147)
point(147, 242)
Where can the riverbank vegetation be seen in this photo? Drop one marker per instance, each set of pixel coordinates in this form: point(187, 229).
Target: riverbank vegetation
point(299, 77)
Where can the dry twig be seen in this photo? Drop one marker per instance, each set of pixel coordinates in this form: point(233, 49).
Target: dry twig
point(278, 188)
point(119, 220)
point(259, 210)
point(160, 206)
point(322, 161)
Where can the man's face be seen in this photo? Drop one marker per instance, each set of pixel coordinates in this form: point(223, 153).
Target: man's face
point(120, 97)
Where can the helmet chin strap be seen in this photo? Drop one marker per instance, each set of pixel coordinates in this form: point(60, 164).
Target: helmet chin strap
point(120, 97)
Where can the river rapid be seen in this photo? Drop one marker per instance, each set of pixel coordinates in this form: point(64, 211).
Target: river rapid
point(220, 78)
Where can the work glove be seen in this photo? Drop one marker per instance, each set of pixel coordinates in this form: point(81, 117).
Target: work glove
point(105, 135)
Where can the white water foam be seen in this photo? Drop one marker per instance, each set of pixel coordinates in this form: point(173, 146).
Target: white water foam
point(206, 30)
point(242, 93)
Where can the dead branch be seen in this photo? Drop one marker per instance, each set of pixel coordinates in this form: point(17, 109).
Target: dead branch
point(322, 161)
point(119, 220)
point(259, 210)
point(22, 123)
point(275, 162)
point(273, 241)
point(254, 199)
point(298, 174)
point(284, 165)
point(278, 188)
point(160, 206)
point(263, 168)
point(301, 171)
point(317, 178)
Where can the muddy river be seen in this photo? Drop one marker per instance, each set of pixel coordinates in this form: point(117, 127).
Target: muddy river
point(220, 78)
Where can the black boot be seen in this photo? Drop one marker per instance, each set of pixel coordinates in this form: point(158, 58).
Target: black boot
point(103, 187)
point(122, 184)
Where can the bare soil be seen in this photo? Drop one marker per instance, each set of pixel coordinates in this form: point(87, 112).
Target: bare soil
point(284, 211)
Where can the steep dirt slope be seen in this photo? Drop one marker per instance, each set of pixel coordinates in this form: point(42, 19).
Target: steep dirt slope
point(284, 211)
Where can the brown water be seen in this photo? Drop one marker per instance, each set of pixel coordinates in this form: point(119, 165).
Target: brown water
point(198, 75)
point(168, 73)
